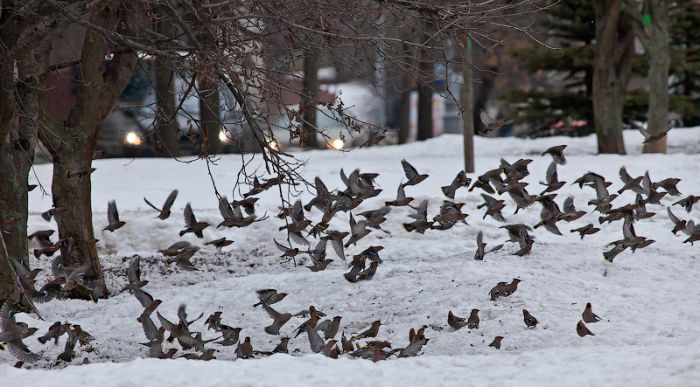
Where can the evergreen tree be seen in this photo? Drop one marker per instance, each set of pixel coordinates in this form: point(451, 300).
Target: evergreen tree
point(685, 64)
point(567, 90)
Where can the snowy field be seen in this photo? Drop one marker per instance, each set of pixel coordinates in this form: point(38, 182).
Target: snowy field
point(649, 300)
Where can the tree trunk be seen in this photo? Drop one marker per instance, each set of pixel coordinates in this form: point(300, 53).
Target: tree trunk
point(72, 142)
point(309, 100)
point(425, 100)
point(467, 101)
point(166, 127)
point(655, 39)
point(405, 116)
point(210, 116)
point(611, 68)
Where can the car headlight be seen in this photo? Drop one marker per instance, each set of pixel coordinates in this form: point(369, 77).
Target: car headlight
point(132, 138)
point(225, 137)
point(338, 144)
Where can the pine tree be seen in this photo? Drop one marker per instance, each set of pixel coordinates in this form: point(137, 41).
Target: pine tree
point(567, 91)
point(685, 64)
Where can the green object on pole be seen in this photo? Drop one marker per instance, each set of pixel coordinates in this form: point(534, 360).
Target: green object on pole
point(646, 20)
point(470, 45)
point(622, 6)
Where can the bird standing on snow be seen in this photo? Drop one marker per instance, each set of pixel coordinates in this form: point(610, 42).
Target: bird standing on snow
point(529, 319)
point(589, 316)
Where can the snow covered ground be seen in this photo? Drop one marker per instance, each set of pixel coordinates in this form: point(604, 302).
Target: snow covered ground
point(649, 300)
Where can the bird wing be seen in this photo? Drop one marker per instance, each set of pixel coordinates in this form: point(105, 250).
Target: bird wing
point(624, 176)
point(143, 297)
point(165, 322)
point(225, 208)
point(321, 188)
point(112, 213)
point(673, 217)
point(151, 204)
point(479, 239)
point(646, 184)
point(273, 313)
point(552, 176)
point(569, 205)
point(280, 246)
point(134, 272)
point(409, 170)
point(401, 193)
point(170, 200)
point(189, 215)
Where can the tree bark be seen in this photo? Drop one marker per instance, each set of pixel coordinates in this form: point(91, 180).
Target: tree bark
point(656, 41)
point(166, 127)
point(309, 99)
point(611, 68)
point(405, 116)
point(71, 143)
point(210, 115)
point(467, 102)
point(425, 100)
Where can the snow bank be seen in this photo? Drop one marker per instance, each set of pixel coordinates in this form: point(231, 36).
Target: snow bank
point(648, 300)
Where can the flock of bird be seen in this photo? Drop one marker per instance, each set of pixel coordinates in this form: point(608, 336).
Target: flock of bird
point(504, 180)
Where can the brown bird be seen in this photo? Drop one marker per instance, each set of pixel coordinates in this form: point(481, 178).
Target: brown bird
point(678, 224)
point(525, 241)
point(113, 217)
point(586, 230)
point(582, 330)
point(493, 207)
point(552, 179)
point(473, 321)
point(80, 172)
point(279, 319)
point(461, 180)
point(269, 296)
point(50, 213)
point(356, 267)
point(358, 230)
point(369, 332)
point(557, 153)
point(481, 247)
point(346, 344)
point(329, 327)
point(336, 239)
point(669, 185)
point(164, 212)
point(511, 287)
point(687, 202)
point(529, 319)
point(287, 252)
point(516, 171)
point(649, 137)
point(588, 315)
point(519, 195)
point(182, 259)
point(570, 213)
point(456, 322)
point(421, 222)
point(219, 243)
point(497, 291)
point(490, 124)
point(331, 349)
point(282, 346)
point(368, 273)
point(411, 174)
point(496, 343)
point(232, 214)
point(244, 349)
point(13, 332)
point(191, 223)
point(43, 237)
point(401, 198)
point(56, 330)
point(631, 183)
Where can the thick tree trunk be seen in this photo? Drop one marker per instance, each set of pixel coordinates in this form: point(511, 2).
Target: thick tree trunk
point(467, 101)
point(309, 99)
point(166, 127)
point(425, 100)
point(210, 116)
point(405, 116)
point(73, 195)
point(656, 41)
point(611, 68)
point(7, 119)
